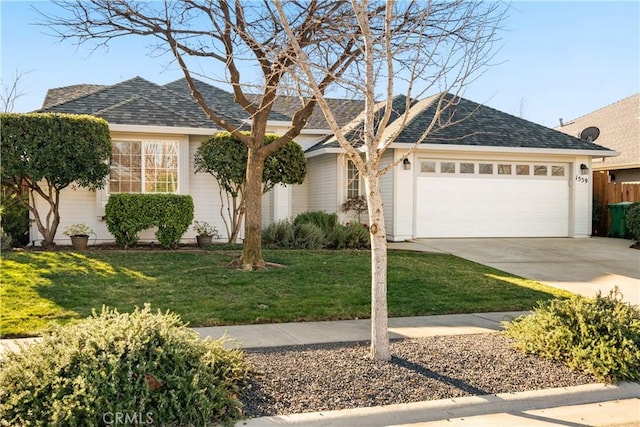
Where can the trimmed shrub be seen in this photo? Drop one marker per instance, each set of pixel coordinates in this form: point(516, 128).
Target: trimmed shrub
point(325, 221)
point(598, 335)
point(350, 236)
point(279, 234)
point(147, 367)
point(309, 236)
point(128, 214)
point(632, 218)
point(338, 238)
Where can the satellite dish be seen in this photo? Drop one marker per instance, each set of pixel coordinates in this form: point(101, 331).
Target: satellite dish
point(590, 134)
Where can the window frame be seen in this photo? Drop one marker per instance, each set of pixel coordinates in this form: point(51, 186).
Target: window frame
point(354, 179)
point(143, 144)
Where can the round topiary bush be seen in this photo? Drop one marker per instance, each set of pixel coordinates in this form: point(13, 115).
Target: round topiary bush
point(130, 368)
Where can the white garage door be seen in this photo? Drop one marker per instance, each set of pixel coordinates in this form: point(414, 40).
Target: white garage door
point(492, 199)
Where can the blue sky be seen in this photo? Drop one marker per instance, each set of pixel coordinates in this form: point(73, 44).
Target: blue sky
point(558, 59)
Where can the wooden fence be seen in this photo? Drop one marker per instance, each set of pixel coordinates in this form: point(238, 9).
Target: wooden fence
point(605, 193)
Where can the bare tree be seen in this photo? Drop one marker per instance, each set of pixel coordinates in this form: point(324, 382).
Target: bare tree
point(421, 46)
point(237, 34)
point(12, 91)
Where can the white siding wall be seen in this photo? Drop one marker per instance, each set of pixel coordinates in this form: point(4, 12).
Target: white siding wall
point(322, 183)
point(299, 198)
point(76, 205)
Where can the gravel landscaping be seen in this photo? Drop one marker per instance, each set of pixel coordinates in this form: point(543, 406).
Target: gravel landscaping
point(340, 376)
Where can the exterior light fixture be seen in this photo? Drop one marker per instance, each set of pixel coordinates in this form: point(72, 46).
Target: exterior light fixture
point(584, 169)
point(407, 164)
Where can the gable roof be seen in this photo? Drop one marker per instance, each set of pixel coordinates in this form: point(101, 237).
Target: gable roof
point(140, 102)
point(473, 125)
point(619, 125)
point(60, 95)
point(136, 102)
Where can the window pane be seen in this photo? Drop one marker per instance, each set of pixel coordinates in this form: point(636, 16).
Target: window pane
point(161, 167)
point(557, 170)
point(467, 167)
point(485, 168)
point(522, 169)
point(126, 167)
point(428, 167)
point(447, 167)
point(540, 170)
point(157, 162)
point(353, 180)
point(504, 169)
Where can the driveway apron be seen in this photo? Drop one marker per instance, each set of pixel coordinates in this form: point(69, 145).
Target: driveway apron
point(582, 266)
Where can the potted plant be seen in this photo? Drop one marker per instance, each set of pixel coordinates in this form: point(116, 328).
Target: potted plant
point(206, 233)
point(79, 234)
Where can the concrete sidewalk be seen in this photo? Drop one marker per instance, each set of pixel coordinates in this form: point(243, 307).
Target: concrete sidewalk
point(286, 334)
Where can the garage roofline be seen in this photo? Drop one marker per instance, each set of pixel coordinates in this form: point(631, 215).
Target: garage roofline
point(519, 150)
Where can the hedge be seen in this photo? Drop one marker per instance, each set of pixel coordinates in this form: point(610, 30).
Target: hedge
point(128, 214)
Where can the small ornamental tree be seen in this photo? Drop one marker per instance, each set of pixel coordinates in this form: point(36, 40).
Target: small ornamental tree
point(44, 153)
point(225, 157)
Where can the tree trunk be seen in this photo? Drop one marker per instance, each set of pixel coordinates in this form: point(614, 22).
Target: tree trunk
point(380, 349)
point(48, 230)
point(252, 248)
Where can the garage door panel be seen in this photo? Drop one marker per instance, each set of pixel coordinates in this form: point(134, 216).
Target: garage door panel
point(491, 207)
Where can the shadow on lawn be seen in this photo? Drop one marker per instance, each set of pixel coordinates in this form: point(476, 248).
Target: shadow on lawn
point(39, 287)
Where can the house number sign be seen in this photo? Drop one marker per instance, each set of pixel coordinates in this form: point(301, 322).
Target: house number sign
point(582, 179)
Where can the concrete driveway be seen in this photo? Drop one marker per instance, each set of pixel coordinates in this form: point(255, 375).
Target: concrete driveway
point(582, 266)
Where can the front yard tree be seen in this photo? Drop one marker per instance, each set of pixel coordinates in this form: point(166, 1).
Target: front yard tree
point(44, 153)
point(244, 36)
point(225, 157)
point(428, 46)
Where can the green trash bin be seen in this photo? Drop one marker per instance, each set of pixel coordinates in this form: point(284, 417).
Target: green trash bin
point(618, 224)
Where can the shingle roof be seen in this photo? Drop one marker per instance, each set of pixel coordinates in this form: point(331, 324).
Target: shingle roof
point(344, 110)
point(478, 125)
point(63, 94)
point(129, 112)
point(141, 102)
point(136, 102)
point(619, 125)
point(217, 99)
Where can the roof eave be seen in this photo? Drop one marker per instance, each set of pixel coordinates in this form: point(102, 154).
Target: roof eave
point(320, 151)
point(523, 150)
point(616, 167)
point(173, 130)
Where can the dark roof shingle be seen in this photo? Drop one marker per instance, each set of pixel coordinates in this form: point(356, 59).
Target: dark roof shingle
point(475, 125)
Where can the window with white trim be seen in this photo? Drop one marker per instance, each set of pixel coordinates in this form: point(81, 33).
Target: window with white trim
point(353, 180)
point(144, 167)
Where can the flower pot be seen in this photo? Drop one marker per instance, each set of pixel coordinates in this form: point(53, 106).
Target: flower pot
point(80, 242)
point(204, 240)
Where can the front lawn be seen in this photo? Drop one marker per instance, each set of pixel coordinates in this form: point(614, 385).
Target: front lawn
point(42, 287)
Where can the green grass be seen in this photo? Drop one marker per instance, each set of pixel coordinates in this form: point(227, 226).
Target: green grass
point(38, 288)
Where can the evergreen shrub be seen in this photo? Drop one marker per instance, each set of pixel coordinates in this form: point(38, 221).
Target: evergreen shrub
point(632, 219)
point(142, 367)
point(127, 215)
point(598, 335)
